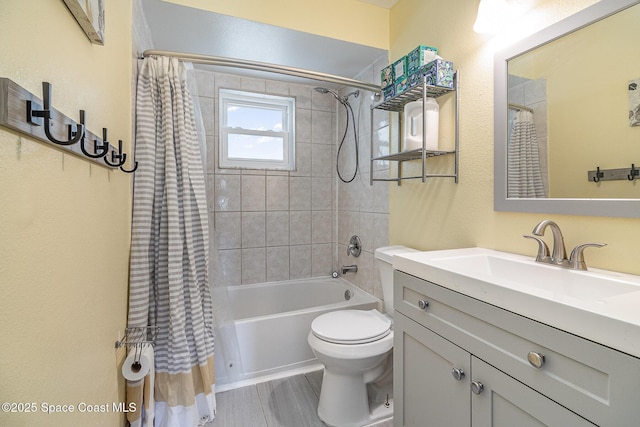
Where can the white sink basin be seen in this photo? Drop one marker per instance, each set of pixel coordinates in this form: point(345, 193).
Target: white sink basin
point(600, 305)
point(537, 278)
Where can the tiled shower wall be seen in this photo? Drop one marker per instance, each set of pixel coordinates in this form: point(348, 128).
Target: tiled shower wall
point(363, 209)
point(272, 225)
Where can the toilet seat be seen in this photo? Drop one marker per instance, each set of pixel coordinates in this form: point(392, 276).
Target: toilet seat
point(351, 327)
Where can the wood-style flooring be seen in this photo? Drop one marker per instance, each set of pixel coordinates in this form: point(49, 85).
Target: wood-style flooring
point(285, 402)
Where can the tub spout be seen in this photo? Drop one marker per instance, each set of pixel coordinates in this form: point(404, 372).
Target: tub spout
point(349, 269)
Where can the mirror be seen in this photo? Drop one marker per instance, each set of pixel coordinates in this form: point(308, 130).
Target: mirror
point(566, 104)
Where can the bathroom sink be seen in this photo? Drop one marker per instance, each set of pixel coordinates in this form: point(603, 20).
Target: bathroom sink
point(536, 278)
point(599, 305)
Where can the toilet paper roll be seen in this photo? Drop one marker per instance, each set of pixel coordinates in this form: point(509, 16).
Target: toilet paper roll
point(136, 366)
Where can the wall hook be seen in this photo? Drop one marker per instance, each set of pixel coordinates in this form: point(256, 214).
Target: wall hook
point(100, 148)
point(598, 175)
point(117, 159)
point(135, 166)
point(45, 114)
point(633, 173)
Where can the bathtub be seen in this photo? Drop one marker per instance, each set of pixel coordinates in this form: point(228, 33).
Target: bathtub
point(272, 321)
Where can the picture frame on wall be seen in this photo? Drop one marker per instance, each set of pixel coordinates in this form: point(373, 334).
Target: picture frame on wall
point(90, 16)
point(634, 102)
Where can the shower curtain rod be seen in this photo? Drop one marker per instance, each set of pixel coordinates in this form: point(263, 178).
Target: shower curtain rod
point(520, 107)
point(264, 66)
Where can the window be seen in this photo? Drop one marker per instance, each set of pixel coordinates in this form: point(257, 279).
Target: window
point(256, 130)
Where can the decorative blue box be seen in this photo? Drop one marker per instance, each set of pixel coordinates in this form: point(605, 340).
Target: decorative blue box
point(389, 92)
point(402, 85)
point(437, 73)
point(400, 70)
point(387, 76)
point(420, 56)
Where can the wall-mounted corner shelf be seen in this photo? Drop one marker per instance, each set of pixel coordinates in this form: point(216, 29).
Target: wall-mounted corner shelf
point(396, 104)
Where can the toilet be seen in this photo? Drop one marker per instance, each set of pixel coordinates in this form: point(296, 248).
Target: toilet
point(354, 346)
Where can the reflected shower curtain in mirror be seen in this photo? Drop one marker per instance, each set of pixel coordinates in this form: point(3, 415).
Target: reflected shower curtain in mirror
point(524, 178)
point(169, 279)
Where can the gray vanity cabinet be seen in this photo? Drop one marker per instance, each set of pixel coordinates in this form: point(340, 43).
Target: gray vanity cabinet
point(461, 362)
point(430, 397)
point(430, 393)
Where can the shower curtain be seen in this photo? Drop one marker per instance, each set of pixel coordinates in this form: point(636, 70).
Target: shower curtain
point(524, 178)
point(169, 278)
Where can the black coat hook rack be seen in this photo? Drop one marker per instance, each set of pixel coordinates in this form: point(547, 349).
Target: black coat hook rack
point(22, 111)
point(628, 173)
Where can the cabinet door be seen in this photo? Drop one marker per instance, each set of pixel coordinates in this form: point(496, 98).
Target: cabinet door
point(505, 402)
point(426, 394)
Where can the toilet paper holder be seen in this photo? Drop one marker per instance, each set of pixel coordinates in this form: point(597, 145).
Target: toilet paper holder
point(138, 336)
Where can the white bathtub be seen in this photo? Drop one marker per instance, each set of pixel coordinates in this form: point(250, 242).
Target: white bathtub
point(272, 321)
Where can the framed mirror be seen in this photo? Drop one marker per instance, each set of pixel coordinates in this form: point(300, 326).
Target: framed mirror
point(567, 116)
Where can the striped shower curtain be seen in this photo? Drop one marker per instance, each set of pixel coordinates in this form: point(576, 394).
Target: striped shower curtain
point(524, 178)
point(169, 280)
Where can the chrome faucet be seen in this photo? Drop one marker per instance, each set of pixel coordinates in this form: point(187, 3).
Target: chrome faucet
point(559, 254)
point(349, 269)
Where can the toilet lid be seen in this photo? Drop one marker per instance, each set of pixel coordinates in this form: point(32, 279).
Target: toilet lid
point(351, 326)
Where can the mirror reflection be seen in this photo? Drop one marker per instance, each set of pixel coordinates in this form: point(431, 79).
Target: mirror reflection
point(574, 107)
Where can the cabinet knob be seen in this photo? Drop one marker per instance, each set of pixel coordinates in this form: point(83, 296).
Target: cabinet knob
point(423, 304)
point(477, 387)
point(536, 359)
point(457, 373)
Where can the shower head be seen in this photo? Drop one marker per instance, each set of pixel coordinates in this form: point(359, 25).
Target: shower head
point(332, 92)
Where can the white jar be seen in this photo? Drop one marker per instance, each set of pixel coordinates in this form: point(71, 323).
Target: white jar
point(413, 124)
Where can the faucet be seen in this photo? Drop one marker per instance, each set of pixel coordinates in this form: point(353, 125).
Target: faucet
point(558, 256)
point(349, 269)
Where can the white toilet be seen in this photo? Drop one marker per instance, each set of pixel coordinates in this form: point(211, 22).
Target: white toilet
point(354, 347)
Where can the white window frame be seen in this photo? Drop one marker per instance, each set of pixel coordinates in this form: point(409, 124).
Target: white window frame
point(285, 104)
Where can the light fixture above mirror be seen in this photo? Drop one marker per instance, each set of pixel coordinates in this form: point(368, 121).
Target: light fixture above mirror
point(492, 16)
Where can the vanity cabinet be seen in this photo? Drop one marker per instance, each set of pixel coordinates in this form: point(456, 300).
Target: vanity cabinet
point(461, 362)
point(396, 104)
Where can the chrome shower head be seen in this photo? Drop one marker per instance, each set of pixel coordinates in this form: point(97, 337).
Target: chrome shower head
point(332, 92)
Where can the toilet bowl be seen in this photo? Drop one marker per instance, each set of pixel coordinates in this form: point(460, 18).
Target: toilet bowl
point(354, 346)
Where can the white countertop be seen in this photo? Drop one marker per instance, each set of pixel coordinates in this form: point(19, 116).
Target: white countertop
point(613, 320)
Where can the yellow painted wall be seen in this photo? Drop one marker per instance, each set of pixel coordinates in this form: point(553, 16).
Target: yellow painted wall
point(441, 214)
point(349, 20)
point(64, 225)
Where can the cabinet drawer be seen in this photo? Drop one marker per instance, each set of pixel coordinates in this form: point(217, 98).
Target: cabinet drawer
point(597, 382)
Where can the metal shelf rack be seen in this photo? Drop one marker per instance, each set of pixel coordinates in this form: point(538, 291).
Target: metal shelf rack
point(396, 104)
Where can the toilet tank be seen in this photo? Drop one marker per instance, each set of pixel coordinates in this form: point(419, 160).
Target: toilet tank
point(384, 259)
